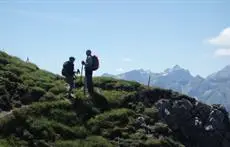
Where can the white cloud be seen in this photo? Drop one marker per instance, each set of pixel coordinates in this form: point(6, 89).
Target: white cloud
point(222, 52)
point(127, 60)
point(120, 70)
point(223, 39)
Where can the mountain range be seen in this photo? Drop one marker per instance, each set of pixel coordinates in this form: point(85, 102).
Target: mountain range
point(214, 89)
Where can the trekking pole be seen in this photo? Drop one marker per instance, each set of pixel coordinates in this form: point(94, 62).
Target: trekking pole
point(81, 79)
point(81, 73)
point(84, 86)
point(76, 76)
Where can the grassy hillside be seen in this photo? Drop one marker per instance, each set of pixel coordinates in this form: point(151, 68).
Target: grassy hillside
point(35, 112)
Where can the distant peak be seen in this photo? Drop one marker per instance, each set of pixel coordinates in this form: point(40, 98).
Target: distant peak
point(176, 67)
point(227, 67)
point(143, 70)
point(199, 77)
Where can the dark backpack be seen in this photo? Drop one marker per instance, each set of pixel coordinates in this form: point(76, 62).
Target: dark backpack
point(95, 63)
point(66, 68)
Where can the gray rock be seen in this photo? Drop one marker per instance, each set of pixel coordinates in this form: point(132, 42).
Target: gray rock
point(201, 124)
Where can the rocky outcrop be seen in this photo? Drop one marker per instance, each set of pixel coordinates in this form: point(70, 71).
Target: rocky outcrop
point(197, 124)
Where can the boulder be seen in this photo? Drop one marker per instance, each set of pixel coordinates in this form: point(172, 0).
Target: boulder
point(198, 124)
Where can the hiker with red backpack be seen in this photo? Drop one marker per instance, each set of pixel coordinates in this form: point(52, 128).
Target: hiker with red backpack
point(91, 64)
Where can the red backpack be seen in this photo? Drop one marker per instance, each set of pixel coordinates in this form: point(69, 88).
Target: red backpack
point(95, 63)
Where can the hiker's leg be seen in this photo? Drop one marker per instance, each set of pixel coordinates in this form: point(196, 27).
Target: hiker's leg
point(85, 82)
point(90, 82)
point(71, 83)
point(68, 81)
point(87, 75)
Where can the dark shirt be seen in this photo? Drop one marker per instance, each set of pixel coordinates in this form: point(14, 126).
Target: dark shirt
point(89, 63)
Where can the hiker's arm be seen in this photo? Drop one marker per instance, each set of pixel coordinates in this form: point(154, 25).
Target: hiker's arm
point(78, 71)
point(72, 69)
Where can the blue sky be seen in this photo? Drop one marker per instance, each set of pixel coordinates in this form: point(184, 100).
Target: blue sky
point(125, 35)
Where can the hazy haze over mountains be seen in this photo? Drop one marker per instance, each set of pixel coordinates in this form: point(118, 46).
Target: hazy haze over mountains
point(215, 89)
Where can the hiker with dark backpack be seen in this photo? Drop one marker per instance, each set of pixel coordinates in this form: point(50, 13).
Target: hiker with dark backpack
point(91, 64)
point(69, 73)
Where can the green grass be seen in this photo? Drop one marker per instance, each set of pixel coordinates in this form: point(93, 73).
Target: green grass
point(115, 98)
point(153, 143)
point(12, 141)
point(4, 143)
point(47, 117)
point(113, 84)
point(25, 83)
point(162, 128)
point(113, 115)
point(110, 123)
point(55, 129)
point(58, 88)
point(152, 113)
point(92, 141)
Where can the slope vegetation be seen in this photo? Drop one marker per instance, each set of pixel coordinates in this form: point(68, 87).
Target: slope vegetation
point(35, 112)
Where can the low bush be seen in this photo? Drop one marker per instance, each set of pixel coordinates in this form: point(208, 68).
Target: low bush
point(93, 141)
point(114, 98)
point(110, 119)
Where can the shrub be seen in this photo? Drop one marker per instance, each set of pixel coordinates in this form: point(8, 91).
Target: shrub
point(45, 85)
point(58, 88)
point(10, 76)
point(28, 67)
point(63, 116)
point(98, 141)
point(161, 128)
point(49, 96)
point(29, 82)
point(35, 93)
point(139, 135)
point(79, 93)
point(140, 107)
point(53, 129)
point(45, 107)
point(163, 142)
point(71, 143)
point(114, 98)
point(80, 131)
point(4, 143)
point(100, 101)
point(13, 141)
point(93, 141)
point(152, 142)
point(127, 85)
point(152, 113)
point(3, 61)
point(14, 69)
point(4, 99)
point(111, 84)
point(169, 142)
point(116, 116)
